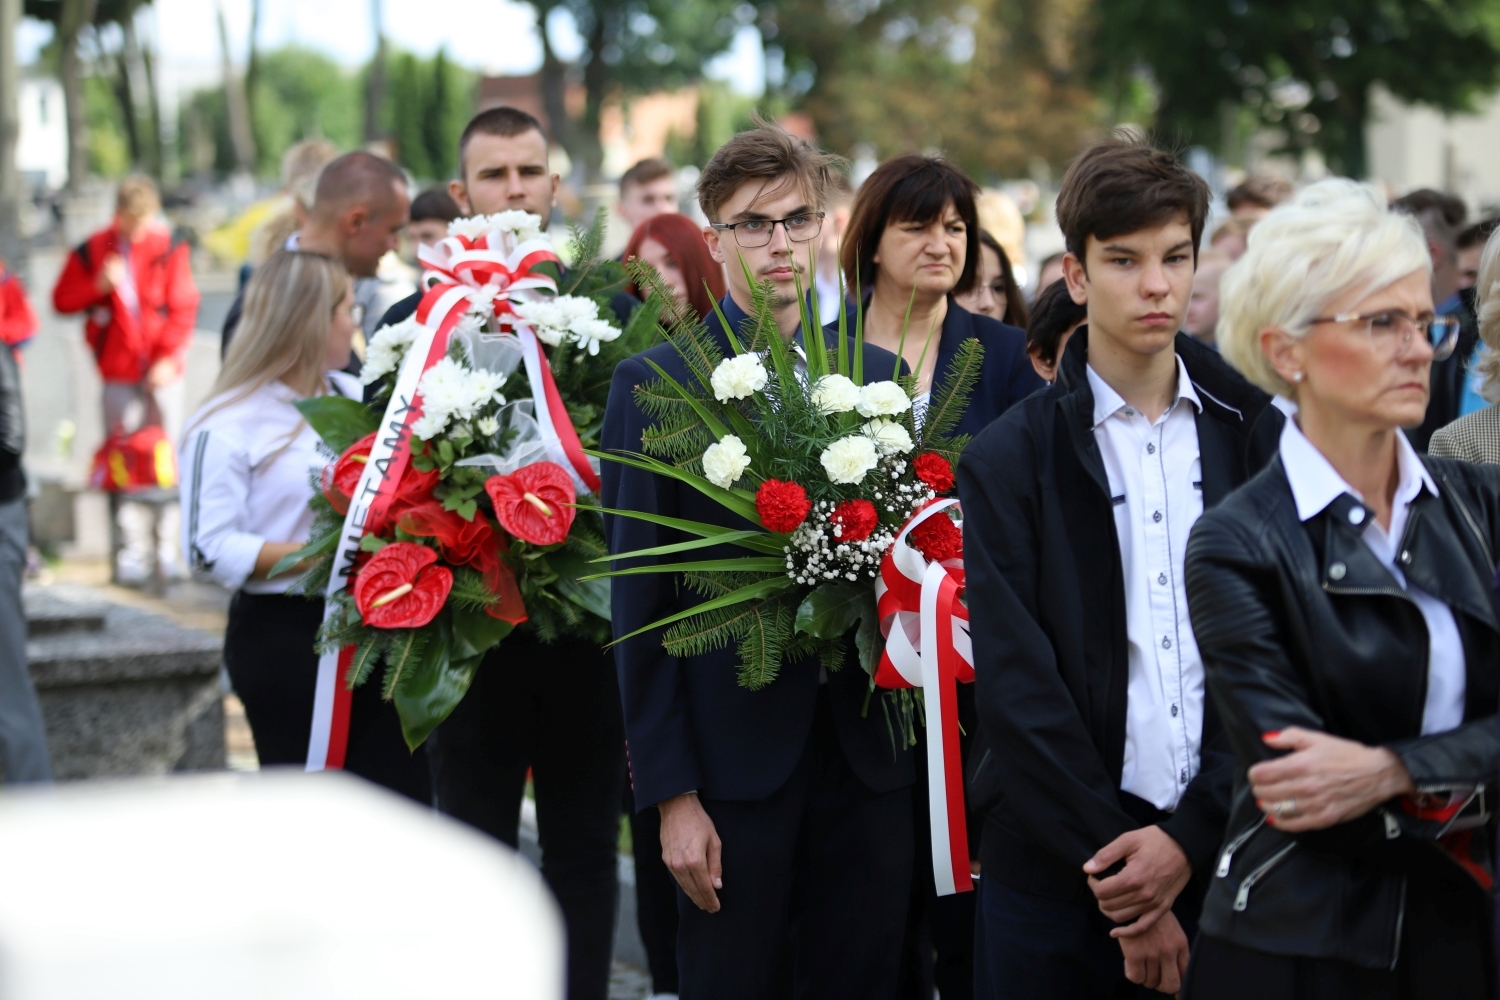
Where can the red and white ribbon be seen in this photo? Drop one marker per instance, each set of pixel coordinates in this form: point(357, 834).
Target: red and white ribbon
point(558, 432)
point(927, 645)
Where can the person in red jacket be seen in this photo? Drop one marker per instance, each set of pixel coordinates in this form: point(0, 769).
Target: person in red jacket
point(17, 319)
point(134, 284)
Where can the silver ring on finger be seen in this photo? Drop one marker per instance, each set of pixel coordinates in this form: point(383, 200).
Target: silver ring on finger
point(1286, 808)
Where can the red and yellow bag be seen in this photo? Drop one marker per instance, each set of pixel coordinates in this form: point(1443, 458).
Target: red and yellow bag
point(140, 460)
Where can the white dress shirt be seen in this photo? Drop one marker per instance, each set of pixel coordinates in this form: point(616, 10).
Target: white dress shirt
point(1315, 484)
point(1156, 483)
point(246, 481)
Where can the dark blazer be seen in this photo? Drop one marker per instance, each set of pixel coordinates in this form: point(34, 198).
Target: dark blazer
point(1047, 606)
point(1300, 624)
point(689, 724)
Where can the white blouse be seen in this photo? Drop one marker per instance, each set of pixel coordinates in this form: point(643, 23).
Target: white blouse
point(246, 480)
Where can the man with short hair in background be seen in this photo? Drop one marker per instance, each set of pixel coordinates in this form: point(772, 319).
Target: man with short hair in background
point(646, 189)
point(133, 280)
point(431, 212)
point(1203, 305)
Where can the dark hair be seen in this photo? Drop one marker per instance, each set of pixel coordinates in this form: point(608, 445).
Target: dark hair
point(435, 203)
point(765, 152)
point(645, 172)
point(684, 241)
point(908, 188)
point(1124, 185)
point(1053, 314)
point(1477, 234)
point(1015, 300)
point(1424, 201)
point(1261, 191)
point(497, 121)
point(355, 178)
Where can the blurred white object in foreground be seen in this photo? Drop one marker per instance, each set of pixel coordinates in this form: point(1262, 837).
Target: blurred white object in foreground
point(284, 885)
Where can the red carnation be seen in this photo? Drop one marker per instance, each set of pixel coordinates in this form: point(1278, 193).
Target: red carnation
point(856, 519)
point(938, 538)
point(401, 588)
point(341, 479)
point(532, 503)
point(934, 470)
point(782, 506)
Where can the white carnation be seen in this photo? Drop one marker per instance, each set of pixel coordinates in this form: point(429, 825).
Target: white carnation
point(488, 426)
point(835, 394)
point(848, 459)
point(387, 348)
point(725, 461)
point(738, 377)
point(882, 399)
point(890, 437)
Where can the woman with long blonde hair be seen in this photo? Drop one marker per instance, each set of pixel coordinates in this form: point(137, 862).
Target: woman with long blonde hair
point(249, 463)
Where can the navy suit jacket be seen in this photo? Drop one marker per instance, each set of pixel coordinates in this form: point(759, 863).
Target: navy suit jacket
point(1006, 377)
point(689, 724)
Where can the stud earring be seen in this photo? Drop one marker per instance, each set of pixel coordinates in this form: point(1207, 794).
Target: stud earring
point(1297, 377)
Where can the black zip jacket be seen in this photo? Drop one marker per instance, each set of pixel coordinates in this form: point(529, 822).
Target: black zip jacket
point(1299, 624)
point(1047, 611)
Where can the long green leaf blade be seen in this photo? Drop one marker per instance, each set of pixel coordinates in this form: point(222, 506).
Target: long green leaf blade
point(729, 538)
point(767, 564)
point(749, 592)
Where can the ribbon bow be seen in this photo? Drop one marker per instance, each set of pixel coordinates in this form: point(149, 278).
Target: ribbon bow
point(926, 628)
point(463, 274)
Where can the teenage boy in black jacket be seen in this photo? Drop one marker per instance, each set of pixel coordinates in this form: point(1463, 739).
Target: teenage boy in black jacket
point(1077, 506)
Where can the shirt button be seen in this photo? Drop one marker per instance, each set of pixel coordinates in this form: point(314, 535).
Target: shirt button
point(1356, 515)
point(1182, 778)
point(1156, 516)
point(1174, 711)
point(1166, 643)
point(1406, 557)
point(1337, 570)
point(1161, 578)
point(1151, 449)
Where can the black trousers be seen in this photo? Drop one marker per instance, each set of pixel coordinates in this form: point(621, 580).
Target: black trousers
point(268, 650)
point(816, 880)
point(655, 896)
point(1445, 954)
point(553, 710)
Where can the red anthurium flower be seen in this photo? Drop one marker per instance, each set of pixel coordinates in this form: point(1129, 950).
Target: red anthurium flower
point(341, 479)
point(782, 506)
point(934, 470)
point(856, 519)
point(401, 588)
point(532, 502)
point(938, 538)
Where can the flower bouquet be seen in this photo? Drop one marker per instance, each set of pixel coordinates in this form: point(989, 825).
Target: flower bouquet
point(461, 503)
point(842, 483)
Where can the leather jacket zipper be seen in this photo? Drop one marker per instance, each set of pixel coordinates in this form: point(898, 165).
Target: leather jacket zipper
point(1242, 898)
point(1389, 592)
point(1235, 845)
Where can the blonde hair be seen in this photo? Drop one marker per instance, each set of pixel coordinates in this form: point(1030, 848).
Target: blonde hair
point(137, 195)
point(1487, 304)
point(1331, 238)
point(283, 332)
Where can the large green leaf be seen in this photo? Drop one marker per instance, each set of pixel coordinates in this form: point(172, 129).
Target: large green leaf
point(338, 420)
point(590, 595)
point(431, 690)
point(315, 547)
point(869, 640)
point(832, 609)
point(476, 632)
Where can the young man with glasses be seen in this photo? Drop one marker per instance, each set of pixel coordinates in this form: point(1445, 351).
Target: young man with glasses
point(785, 812)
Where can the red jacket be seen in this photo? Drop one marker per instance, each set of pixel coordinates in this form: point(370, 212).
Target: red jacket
point(126, 346)
point(17, 318)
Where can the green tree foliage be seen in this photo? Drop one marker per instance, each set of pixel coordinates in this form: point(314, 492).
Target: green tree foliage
point(1305, 67)
point(427, 104)
point(301, 94)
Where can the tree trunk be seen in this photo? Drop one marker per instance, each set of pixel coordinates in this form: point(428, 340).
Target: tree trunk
point(555, 91)
point(125, 92)
point(596, 83)
point(10, 131)
point(234, 96)
point(156, 144)
point(252, 67)
point(72, 17)
point(375, 84)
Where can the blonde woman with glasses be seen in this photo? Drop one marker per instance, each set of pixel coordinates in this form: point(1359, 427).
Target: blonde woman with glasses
point(248, 459)
point(1341, 603)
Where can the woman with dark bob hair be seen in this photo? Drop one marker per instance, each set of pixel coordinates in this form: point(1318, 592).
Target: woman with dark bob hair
point(673, 244)
point(911, 246)
point(1341, 602)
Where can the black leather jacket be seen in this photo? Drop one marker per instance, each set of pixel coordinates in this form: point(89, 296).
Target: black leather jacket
point(1300, 624)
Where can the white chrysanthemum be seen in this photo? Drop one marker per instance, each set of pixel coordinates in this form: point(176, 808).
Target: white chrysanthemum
point(882, 399)
point(485, 386)
point(889, 437)
point(575, 309)
point(835, 394)
point(429, 425)
point(590, 333)
point(488, 426)
point(387, 348)
point(738, 377)
point(525, 225)
point(471, 227)
point(449, 390)
point(725, 461)
point(848, 459)
point(547, 321)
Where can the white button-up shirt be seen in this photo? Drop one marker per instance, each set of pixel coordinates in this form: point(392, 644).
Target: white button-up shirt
point(1156, 482)
point(1315, 484)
